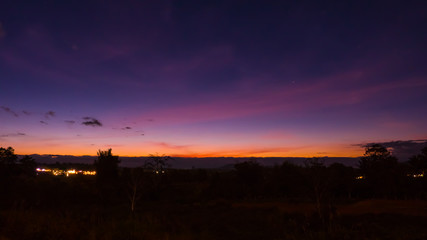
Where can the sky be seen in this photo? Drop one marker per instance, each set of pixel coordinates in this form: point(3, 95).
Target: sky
point(212, 78)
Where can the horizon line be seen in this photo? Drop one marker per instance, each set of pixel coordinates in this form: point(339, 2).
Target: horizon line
point(181, 156)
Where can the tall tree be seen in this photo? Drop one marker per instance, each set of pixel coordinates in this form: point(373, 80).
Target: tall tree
point(7, 156)
point(376, 159)
point(107, 166)
point(419, 162)
point(320, 182)
point(157, 163)
point(8, 160)
point(249, 172)
point(28, 166)
point(135, 182)
point(380, 169)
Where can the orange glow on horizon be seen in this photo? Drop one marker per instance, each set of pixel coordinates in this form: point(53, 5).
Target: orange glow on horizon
point(330, 151)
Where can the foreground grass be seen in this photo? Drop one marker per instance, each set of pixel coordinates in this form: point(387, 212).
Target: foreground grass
point(212, 220)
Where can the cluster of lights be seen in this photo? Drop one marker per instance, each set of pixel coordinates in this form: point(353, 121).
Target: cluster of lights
point(416, 175)
point(58, 172)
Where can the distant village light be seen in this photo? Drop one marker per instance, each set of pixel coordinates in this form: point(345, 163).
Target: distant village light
point(417, 175)
point(68, 172)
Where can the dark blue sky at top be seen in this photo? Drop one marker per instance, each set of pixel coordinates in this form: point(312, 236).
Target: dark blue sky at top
point(134, 57)
point(335, 35)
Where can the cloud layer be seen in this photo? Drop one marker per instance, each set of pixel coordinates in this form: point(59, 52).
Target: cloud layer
point(402, 149)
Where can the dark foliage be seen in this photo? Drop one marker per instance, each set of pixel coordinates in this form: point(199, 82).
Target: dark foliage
point(107, 166)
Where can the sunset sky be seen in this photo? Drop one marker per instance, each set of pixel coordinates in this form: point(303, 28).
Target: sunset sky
point(211, 78)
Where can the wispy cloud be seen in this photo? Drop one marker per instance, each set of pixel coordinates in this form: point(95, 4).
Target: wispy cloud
point(126, 128)
point(237, 152)
point(10, 111)
point(140, 132)
point(18, 134)
point(397, 143)
point(26, 113)
point(114, 145)
point(90, 121)
point(49, 114)
point(259, 150)
point(402, 149)
point(43, 122)
point(71, 122)
point(172, 146)
point(302, 98)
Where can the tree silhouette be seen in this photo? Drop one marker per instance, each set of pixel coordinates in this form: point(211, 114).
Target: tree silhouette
point(418, 169)
point(135, 182)
point(28, 166)
point(9, 164)
point(8, 160)
point(7, 156)
point(249, 172)
point(107, 166)
point(380, 169)
point(419, 162)
point(320, 183)
point(288, 179)
point(376, 159)
point(157, 163)
point(342, 180)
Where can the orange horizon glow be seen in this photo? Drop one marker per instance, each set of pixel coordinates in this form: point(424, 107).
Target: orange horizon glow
point(225, 152)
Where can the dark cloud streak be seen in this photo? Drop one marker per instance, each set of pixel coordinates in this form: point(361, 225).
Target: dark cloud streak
point(93, 122)
point(49, 114)
point(10, 111)
point(402, 149)
point(18, 134)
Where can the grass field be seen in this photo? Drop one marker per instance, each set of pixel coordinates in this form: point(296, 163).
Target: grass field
point(222, 219)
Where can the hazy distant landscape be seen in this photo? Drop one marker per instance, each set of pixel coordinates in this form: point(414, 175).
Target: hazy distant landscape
point(402, 150)
point(188, 163)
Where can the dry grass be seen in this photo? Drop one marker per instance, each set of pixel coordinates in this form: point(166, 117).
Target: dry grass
point(375, 206)
point(403, 207)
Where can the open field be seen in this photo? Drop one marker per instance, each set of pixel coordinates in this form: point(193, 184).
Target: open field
point(377, 206)
point(219, 219)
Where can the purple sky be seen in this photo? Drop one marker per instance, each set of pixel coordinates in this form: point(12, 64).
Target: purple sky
point(211, 78)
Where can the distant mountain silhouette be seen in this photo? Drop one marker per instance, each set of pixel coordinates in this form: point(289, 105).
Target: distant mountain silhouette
point(188, 163)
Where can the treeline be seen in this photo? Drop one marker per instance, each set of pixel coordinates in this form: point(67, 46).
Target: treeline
point(379, 175)
point(156, 202)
